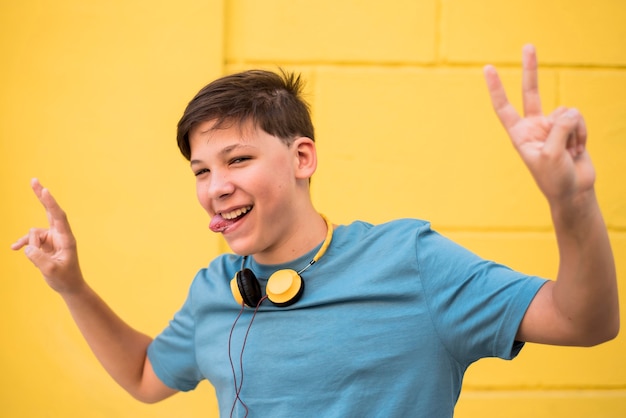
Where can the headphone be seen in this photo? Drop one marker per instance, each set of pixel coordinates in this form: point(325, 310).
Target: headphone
point(284, 287)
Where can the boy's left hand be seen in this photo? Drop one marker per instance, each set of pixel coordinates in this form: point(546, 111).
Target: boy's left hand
point(552, 146)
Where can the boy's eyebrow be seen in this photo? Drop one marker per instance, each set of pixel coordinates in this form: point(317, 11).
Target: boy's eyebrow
point(224, 152)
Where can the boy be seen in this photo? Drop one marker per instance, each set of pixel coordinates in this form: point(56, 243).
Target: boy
point(307, 318)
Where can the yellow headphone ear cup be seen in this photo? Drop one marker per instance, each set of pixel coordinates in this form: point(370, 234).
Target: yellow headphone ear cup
point(284, 287)
point(235, 289)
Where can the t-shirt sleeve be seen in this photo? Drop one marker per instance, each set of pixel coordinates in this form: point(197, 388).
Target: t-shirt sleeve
point(476, 305)
point(172, 353)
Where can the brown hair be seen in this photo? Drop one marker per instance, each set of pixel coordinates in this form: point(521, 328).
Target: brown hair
point(273, 102)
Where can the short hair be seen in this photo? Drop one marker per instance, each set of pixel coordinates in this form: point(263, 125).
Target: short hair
point(272, 102)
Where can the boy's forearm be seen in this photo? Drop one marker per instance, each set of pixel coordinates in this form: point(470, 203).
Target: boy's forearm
point(586, 288)
point(118, 347)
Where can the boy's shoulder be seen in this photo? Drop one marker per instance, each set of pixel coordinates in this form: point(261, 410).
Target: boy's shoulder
point(359, 233)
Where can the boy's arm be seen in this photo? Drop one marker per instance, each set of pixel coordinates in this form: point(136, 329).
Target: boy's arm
point(121, 349)
point(581, 306)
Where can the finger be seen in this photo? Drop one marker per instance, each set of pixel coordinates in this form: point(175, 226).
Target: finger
point(56, 216)
point(20, 243)
point(530, 84)
point(581, 135)
point(552, 117)
point(565, 127)
point(37, 188)
point(36, 237)
point(504, 110)
point(578, 138)
point(36, 256)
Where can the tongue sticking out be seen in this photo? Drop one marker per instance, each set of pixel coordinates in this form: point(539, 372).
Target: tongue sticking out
point(219, 224)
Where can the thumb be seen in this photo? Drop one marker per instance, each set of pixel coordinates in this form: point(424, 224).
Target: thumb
point(564, 130)
point(35, 255)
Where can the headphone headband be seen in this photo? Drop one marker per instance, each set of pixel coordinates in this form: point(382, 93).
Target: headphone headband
point(325, 244)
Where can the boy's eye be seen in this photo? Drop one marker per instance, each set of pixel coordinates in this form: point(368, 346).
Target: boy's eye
point(201, 171)
point(238, 160)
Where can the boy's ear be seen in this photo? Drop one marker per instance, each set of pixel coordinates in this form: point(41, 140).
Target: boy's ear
point(305, 157)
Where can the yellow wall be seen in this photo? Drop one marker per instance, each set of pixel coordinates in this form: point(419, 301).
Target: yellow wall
point(90, 93)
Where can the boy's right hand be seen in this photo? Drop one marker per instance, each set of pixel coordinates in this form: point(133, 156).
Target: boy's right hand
point(53, 250)
point(121, 349)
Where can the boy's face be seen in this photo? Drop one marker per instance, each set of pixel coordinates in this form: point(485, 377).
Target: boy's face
point(247, 181)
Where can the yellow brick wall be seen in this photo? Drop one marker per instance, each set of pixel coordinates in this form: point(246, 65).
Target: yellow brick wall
point(91, 93)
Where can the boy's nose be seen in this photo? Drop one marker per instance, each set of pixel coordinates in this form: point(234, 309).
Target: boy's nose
point(220, 186)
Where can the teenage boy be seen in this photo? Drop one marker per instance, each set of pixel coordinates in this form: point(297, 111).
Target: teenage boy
point(348, 320)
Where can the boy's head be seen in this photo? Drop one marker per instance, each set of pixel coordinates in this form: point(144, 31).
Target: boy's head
point(272, 102)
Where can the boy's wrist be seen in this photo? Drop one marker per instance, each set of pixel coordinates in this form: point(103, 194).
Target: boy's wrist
point(573, 212)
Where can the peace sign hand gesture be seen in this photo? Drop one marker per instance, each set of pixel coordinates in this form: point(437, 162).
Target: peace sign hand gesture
point(53, 250)
point(552, 146)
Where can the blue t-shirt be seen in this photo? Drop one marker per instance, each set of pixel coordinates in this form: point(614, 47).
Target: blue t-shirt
point(391, 317)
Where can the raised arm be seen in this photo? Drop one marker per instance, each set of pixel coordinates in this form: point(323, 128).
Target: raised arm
point(120, 349)
point(581, 306)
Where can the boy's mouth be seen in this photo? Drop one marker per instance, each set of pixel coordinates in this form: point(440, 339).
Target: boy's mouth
point(222, 221)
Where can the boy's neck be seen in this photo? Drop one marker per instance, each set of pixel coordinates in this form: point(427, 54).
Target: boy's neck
point(309, 230)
